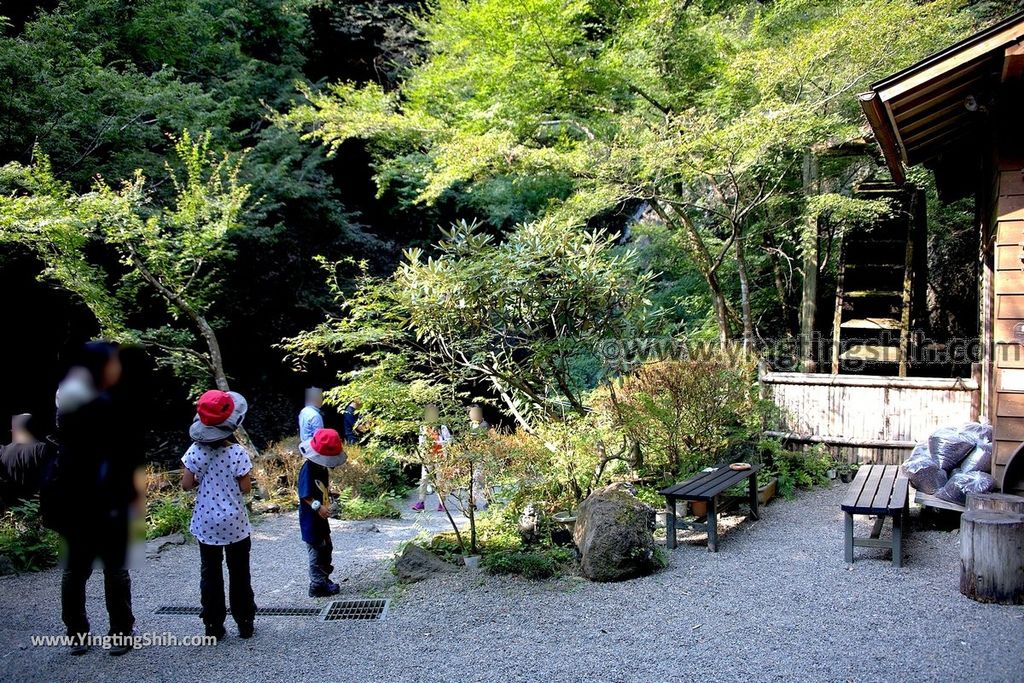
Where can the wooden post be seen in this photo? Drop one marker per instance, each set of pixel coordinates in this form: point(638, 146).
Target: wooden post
point(670, 523)
point(809, 295)
point(897, 539)
point(849, 538)
point(712, 524)
point(996, 502)
point(992, 556)
point(755, 511)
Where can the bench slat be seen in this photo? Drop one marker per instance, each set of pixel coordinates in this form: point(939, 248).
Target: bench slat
point(901, 490)
point(707, 485)
point(885, 488)
point(856, 486)
point(882, 491)
point(867, 496)
point(729, 478)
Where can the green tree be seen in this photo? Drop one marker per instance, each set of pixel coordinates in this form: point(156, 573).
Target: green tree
point(708, 112)
point(176, 249)
point(516, 315)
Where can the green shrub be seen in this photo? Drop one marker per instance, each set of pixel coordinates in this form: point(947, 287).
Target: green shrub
point(542, 563)
point(800, 469)
point(168, 514)
point(691, 413)
point(358, 507)
point(25, 541)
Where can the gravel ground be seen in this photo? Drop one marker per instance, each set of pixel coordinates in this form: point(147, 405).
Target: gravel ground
point(777, 603)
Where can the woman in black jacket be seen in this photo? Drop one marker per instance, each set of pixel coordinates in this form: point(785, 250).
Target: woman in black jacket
point(99, 447)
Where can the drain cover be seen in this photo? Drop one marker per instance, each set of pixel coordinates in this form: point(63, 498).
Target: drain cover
point(260, 611)
point(356, 609)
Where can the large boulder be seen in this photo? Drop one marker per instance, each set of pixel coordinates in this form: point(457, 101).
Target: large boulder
point(615, 535)
point(416, 563)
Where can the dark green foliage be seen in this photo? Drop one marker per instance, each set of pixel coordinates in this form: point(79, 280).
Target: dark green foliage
point(797, 470)
point(364, 507)
point(169, 514)
point(24, 540)
point(532, 564)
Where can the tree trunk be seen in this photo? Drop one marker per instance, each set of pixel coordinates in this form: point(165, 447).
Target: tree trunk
point(781, 289)
point(206, 331)
point(741, 267)
point(702, 259)
point(995, 502)
point(809, 301)
point(992, 556)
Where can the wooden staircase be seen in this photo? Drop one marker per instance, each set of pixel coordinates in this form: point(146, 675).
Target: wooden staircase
point(880, 286)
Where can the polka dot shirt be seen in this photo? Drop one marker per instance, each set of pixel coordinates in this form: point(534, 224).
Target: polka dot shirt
point(219, 517)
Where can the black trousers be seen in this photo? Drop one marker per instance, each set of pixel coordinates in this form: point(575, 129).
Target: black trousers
point(211, 582)
point(83, 549)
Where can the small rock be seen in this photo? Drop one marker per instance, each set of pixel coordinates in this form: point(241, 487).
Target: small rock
point(416, 564)
point(6, 566)
point(371, 529)
point(269, 509)
point(154, 547)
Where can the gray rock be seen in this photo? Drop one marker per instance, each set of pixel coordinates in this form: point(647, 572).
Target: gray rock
point(268, 509)
point(614, 535)
point(416, 564)
point(6, 566)
point(371, 529)
point(154, 547)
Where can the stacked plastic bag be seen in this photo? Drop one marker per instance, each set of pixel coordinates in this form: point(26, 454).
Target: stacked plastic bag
point(953, 462)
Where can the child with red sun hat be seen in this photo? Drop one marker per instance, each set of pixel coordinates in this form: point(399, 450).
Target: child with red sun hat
point(321, 452)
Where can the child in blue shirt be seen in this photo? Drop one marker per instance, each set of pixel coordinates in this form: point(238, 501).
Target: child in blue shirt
point(321, 452)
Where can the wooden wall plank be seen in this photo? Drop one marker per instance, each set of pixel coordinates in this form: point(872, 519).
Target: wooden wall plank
point(1010, 429)
point(1003, 450)
point(1010, 405)
point(1008, 257)
point(1010, 306)
point(1010, 232)
point(1009, 356)
point(1011, 182)
point(1010, 207)
point(1008, 282)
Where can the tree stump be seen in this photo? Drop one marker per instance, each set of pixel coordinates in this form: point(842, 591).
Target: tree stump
point(997, 502)
point(992, 556)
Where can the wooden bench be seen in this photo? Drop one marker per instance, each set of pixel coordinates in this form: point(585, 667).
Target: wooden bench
point(882, 491)
point(706, 487)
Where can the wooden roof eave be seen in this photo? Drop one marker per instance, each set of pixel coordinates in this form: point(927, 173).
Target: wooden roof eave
point(922, 96)
point(878, 118)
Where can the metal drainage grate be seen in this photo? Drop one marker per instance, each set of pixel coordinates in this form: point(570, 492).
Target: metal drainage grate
point(260, 611)
point(356, 609)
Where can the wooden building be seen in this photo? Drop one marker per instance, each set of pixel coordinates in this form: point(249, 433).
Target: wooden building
point(960, 114)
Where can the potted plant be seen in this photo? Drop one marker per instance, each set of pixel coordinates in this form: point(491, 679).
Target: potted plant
point(847, 471)
point(767, 490)
point(833, 471)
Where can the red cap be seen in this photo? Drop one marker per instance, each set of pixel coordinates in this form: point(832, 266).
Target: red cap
point(214, 407)
point(326, 442)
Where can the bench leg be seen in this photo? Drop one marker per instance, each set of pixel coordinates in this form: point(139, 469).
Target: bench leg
point(670, 523)
point(849, 538)
point(754, 511)
point(712, 524)
point(876, 530)
point(897, 539)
